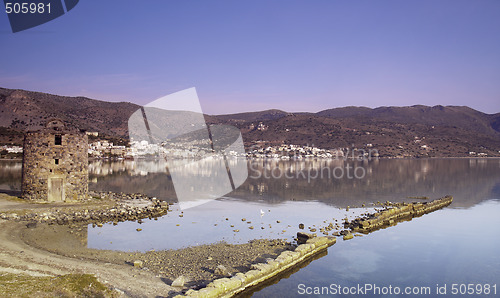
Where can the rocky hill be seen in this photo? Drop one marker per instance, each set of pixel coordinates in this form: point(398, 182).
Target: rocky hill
point(22, 110)
point(416, 131)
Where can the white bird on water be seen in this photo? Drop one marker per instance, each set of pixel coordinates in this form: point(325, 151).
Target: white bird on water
point(261, 213)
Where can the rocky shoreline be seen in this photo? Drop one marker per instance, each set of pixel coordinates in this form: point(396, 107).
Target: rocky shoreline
point(120, 207)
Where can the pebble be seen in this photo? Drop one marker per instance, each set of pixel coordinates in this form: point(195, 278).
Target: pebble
point(138, 263)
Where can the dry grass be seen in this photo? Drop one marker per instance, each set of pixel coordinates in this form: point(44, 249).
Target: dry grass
point(71, 285)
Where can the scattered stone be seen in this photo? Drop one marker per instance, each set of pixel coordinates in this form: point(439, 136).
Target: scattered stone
point(243, 219)
point(278, 221)
point(301, 226)
point(138, 264)
point(222, 271)
point(348, 236)
point(251, 227)
point(126, 207)
point(312, 230)
point(179, 282)
point(138, 230)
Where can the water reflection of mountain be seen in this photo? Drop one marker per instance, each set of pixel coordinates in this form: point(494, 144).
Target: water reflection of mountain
point(152, 184)
point(469, 180)
point(10, 176)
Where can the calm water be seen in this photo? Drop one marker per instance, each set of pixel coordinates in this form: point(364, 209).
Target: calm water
point(457, 245)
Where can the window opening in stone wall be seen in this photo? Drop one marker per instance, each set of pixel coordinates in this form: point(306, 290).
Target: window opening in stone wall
point(58, 140)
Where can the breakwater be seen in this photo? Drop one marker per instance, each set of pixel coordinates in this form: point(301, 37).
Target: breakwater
point(397, 212)
point(261, 272)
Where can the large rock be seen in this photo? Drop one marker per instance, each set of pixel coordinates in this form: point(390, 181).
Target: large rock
point(302, 237)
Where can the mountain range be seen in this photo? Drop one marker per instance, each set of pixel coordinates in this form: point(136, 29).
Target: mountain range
point(413, 131)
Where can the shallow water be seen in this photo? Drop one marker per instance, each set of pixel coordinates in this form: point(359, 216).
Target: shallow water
point(458, 244)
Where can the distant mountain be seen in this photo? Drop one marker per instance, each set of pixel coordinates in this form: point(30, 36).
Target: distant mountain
point(416, 131)
point(459, 116)
point(22, 110)
point(253, 116)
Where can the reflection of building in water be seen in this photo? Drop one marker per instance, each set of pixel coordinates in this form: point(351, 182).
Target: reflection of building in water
point(144, 167)
point(131, 167)
point(55, 164)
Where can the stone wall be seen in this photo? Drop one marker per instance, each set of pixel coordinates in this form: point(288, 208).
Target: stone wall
point(53, 172)
point(397, 213)
point(228, 287)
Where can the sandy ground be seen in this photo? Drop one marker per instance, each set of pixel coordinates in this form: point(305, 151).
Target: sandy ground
point(20, 258)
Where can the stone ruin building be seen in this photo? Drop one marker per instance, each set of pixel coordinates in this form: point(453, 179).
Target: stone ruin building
point(55, 164)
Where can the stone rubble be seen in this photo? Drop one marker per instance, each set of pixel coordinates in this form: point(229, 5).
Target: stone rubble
point(127, 207)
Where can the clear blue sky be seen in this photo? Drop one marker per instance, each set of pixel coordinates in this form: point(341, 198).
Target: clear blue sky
point(255, 55)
